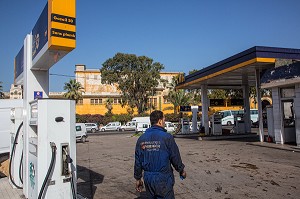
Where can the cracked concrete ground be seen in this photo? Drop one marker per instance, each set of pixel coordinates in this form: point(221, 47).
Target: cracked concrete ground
point(216, 169)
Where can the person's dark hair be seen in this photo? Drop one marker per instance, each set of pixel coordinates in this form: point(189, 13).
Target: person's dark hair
point(155, 116)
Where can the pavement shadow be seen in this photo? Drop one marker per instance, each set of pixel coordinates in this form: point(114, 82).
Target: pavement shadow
point(143, 195)
point(86, 181)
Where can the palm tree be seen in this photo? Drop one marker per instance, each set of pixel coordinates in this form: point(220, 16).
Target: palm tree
point(179, 98)
point(74, 90)
point(1, 89)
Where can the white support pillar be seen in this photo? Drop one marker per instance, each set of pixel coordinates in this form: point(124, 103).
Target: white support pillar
point(297, 113)
point(194, 118)
point(246, 92)
point(278, 129)
point(258, 94)
point(33, 81)
point(204, 100)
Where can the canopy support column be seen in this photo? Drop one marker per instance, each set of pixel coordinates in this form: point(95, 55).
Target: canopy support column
point(204, 101)
point(246, 92)
point(258, 94)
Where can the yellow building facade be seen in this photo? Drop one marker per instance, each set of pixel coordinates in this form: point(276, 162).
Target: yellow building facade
point(96, 94)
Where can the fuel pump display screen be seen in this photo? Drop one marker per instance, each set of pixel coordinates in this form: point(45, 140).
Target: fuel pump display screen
point(33, 113)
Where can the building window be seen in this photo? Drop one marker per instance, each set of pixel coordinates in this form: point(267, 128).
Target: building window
point(96, 101)
point(80, 102)
point(152, 102)
point(117, 101)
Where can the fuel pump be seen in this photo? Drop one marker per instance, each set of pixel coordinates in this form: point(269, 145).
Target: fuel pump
point(239, 123)
point(217, 124)
point(49, 141)
point(52, 148)
point(185, 126)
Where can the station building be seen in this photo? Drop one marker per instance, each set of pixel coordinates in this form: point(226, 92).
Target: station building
point(263, 67)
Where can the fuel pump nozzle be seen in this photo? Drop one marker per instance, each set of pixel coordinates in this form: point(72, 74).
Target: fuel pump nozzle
point(68, 160)
point(51, 166)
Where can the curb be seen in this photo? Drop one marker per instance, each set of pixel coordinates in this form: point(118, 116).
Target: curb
point(292, 149)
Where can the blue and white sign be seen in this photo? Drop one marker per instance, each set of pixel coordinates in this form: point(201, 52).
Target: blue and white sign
point(19, 66)
point(38, 94)
point(40, 33)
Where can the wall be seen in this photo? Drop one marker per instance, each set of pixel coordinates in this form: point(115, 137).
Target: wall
point(90, 79)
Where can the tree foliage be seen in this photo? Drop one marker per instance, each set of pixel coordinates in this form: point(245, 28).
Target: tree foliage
point(109, 106)
point(135, 76)
point(225, 94)
point(193, 71)
point(74, 90)
point(1, 91)
point(195, 94)
point(178, 97)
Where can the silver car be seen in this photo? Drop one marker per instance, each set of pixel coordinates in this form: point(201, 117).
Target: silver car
point(92, 127)
point(112, 126)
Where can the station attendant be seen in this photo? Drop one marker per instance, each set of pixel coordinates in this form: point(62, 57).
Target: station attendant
point(156, 154)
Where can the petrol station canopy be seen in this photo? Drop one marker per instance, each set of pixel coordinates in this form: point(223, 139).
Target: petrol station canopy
point(229, 73)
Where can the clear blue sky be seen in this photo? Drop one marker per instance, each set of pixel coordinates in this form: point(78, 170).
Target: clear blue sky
point(181, 34)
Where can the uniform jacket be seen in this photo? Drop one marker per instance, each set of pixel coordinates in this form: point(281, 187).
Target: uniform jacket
point(156, 151)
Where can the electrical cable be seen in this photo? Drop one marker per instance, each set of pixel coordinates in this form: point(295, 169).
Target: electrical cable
point(12, 156)
point(53, 147)
point(21, 169)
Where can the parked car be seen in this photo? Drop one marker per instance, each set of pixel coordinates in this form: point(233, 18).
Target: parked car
point(81, 133)
point(112, 126)
point(129, 126)
point(93, 127)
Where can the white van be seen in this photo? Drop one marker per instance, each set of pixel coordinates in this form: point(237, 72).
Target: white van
point(141, 119)
point(141, 123)
point(228, 116)
point(81, 132)
point(170, 127)
point(142, 126)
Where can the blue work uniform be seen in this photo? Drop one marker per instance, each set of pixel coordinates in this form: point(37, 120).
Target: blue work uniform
point(155, 152)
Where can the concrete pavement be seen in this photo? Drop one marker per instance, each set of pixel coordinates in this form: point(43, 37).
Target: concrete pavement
point(237, 168)
point(215, 168)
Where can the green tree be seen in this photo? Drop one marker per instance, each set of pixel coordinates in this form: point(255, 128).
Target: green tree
point(179, 98)
point(217, 94)
point(193, 71)
point(195, 94)
point(1, 91)
point(109, 106)
point(264, 93)
point(74, 90)
point(234, 93)
point(135, 76)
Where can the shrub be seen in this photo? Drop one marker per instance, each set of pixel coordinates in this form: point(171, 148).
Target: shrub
point(103, 120)
point(172, 117)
